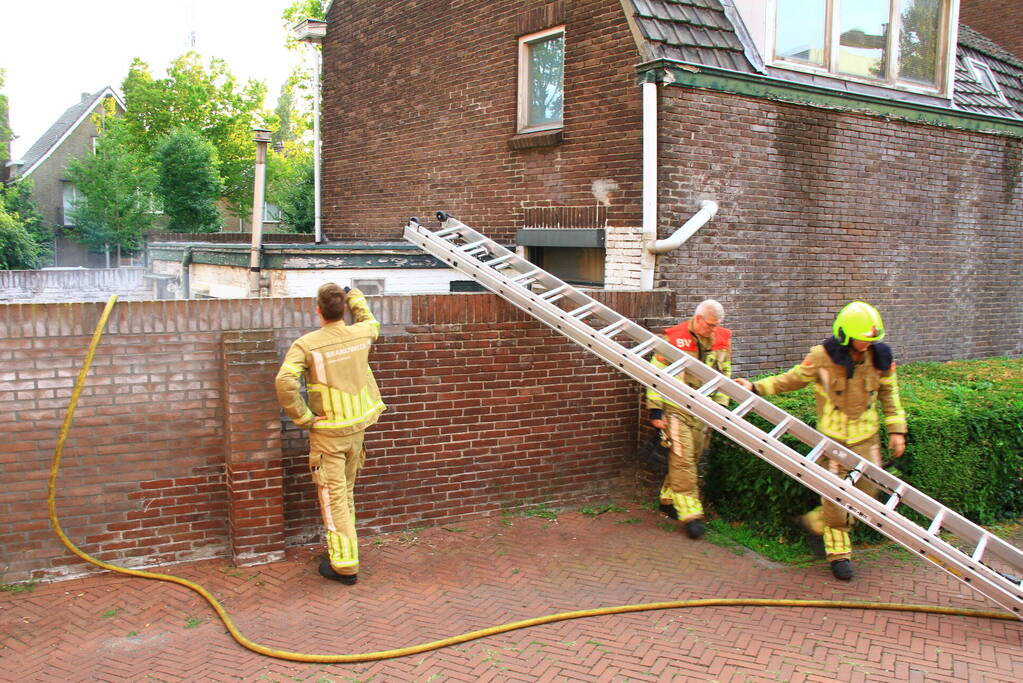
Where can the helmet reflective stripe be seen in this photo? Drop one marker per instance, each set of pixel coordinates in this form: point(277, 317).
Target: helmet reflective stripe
point(858, 320)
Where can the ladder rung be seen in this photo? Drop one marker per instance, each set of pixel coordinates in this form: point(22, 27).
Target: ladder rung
point(893, 500)
point(473, 246)
point(981, 547)
point(525, 277)
point(643, 347)
point(674, 368)
point(612, 329)
point(815, 452)
point(935, 526)
point(780, 428)
point(710, 387)
point(853, 475)
point(580, 312)
point(744, 407)
point(448, 231)
point(554, 294)
point(499, 260)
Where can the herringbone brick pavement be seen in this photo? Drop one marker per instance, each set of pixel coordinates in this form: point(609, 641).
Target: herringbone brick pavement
point(429, 584)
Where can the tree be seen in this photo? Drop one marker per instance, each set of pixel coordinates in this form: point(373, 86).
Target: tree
point(5, 130)
point(116, 185)
point(18, 250)
point(290, 185)
point(189, 183)
point(209, 101)
point(17, 198)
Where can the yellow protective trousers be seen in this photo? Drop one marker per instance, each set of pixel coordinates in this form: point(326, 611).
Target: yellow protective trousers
point(831, 521)
point(689, 437)
point(334, 462)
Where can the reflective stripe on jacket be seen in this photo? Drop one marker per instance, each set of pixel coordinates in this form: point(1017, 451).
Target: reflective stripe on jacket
point(846, 406)
point(718, 356)
point(339, 382)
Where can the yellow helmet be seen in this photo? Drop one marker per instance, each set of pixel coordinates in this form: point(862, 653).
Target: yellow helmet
point(858, 320)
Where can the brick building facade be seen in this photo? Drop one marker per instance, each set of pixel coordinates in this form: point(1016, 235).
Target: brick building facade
point(829, 190)
point(999, 20)
point(178, 451)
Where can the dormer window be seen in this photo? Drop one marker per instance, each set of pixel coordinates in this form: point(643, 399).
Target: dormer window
point(983, 74)
point(896, 43)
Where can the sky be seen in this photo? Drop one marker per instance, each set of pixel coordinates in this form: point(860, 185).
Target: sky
point(52, 51)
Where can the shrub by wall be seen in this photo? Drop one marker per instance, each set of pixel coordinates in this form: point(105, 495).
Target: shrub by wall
point(965, 449)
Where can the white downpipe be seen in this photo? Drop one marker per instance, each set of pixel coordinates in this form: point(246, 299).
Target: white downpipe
point(317, 229)
point(707, 210)
point(648, 261)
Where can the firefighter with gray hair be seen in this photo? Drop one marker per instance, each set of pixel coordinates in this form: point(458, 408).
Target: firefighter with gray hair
point(852, 372)
point(343, 401)
point(702, 337)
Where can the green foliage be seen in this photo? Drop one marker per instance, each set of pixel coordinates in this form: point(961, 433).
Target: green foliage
point(188, 182)
point(290, 185)
point(116, 185)
point(18, 249)
point(208, 100)
point(5, 130)
point(964, 448)
point(16, 199)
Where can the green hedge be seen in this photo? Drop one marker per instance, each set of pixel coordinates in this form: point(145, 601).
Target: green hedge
point(965, 449)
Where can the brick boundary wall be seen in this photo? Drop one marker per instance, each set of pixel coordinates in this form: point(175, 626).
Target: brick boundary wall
point(177, 451)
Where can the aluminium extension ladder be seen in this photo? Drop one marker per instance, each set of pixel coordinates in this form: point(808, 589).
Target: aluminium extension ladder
point(978, 558)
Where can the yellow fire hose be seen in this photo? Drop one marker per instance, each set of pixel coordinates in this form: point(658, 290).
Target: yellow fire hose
point(444, 642)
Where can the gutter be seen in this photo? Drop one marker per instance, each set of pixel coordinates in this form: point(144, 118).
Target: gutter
point(772, 88)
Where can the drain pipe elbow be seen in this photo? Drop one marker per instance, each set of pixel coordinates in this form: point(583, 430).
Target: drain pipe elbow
point(707, 211)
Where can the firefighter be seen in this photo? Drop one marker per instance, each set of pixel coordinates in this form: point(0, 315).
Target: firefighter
point(343, 402)
point(852, 371)
point(701, 337)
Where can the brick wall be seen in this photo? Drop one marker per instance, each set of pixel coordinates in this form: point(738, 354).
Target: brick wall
point(408, 134)
point(820, 207)
point(486, 409)
point(999, 20)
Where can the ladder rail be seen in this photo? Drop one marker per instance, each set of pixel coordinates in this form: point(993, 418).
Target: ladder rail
point(868, 509)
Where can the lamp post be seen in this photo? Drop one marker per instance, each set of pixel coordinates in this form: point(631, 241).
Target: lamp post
point(262, 137)
point(312, 32)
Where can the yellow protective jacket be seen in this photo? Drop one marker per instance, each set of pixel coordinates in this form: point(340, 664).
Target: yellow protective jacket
point(339, 382)
point(846, 405)
point(718, 356)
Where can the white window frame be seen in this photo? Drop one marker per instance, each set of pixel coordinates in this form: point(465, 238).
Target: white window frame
point(944, 70)
point(978, 67)
point(523, 95)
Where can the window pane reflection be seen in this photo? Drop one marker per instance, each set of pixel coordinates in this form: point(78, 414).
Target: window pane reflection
point(863, 37)
point(799, 30)
point(546, 75)
point(918, 41)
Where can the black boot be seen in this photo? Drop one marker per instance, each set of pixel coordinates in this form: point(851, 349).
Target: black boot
point(694, 528)
point(669, 510)
point(327, 572)
point(842, 570)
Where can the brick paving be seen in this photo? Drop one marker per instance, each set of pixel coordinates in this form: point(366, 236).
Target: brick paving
point(428, 584)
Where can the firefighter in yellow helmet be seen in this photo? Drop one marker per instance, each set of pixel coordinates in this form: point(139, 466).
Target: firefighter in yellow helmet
point(702, 337)
point(852, 372)
point(343, 402)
